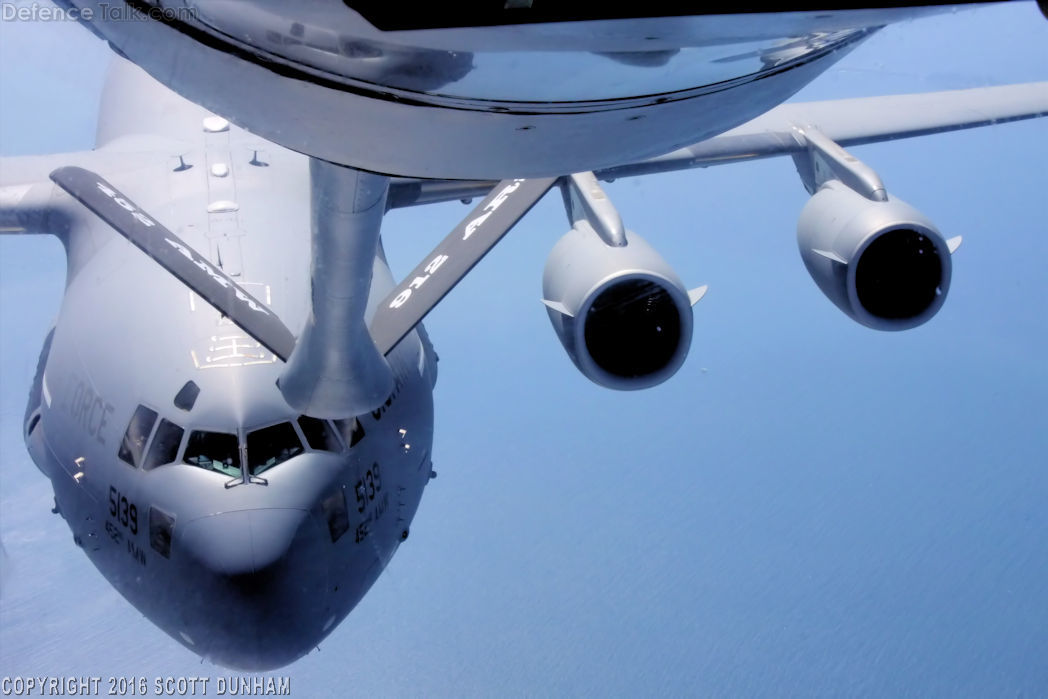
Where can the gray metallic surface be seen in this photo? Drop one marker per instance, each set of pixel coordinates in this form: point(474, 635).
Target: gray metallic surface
point(579, 268)
point(585, 200)
point(460, 250)
point(254, 577)
point(126, 335)
point(827, 161)
point(837, 225)
point(335, 370)
point(174, 255)
point(321, 113)
point(852, 122)
point(555, 63)
point(847, 122)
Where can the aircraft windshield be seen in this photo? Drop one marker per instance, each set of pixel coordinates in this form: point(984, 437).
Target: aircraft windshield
point(270, 446)
point(164, 449)
point(216, 451)
point(319, 434)
point(351, 429)
point(134, 442)
point(219, 451)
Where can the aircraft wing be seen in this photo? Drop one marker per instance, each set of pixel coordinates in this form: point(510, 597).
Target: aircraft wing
point(778, 132)
point(27, 196)
point(26, 204)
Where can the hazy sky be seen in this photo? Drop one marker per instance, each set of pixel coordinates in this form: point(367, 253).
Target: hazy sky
point(807, 507)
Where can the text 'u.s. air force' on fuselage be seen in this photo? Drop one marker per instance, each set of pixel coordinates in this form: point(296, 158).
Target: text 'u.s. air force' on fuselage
point(88, 410)
point(213, 435)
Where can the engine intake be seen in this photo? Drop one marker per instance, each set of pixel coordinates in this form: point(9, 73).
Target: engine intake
point(881, 262)
point(621, 313)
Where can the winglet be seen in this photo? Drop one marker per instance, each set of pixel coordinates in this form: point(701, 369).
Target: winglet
point(953, 243)
point(558, 307)
point(697, 293)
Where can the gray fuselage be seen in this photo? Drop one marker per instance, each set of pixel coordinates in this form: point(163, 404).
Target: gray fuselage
point(150, 410)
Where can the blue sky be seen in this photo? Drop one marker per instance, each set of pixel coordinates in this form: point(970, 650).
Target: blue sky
point(807, 507)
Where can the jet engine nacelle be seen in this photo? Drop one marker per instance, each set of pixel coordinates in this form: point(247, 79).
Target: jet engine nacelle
point(881, 262)
point(621, 313)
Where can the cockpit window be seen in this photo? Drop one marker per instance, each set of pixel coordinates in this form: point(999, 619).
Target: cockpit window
point(270, 446)
point(186, 397)
point(160, 526)
point(336, 514)
point(164, 449)
point(351, 430)
point(319, 434)
point(134, 441)
point(216, 451)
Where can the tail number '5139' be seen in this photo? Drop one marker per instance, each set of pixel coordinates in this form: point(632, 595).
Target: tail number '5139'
point(123, 510)
point(368, 487)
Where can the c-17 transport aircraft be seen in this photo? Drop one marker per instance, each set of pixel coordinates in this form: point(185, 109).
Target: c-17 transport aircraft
point(245, 502)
